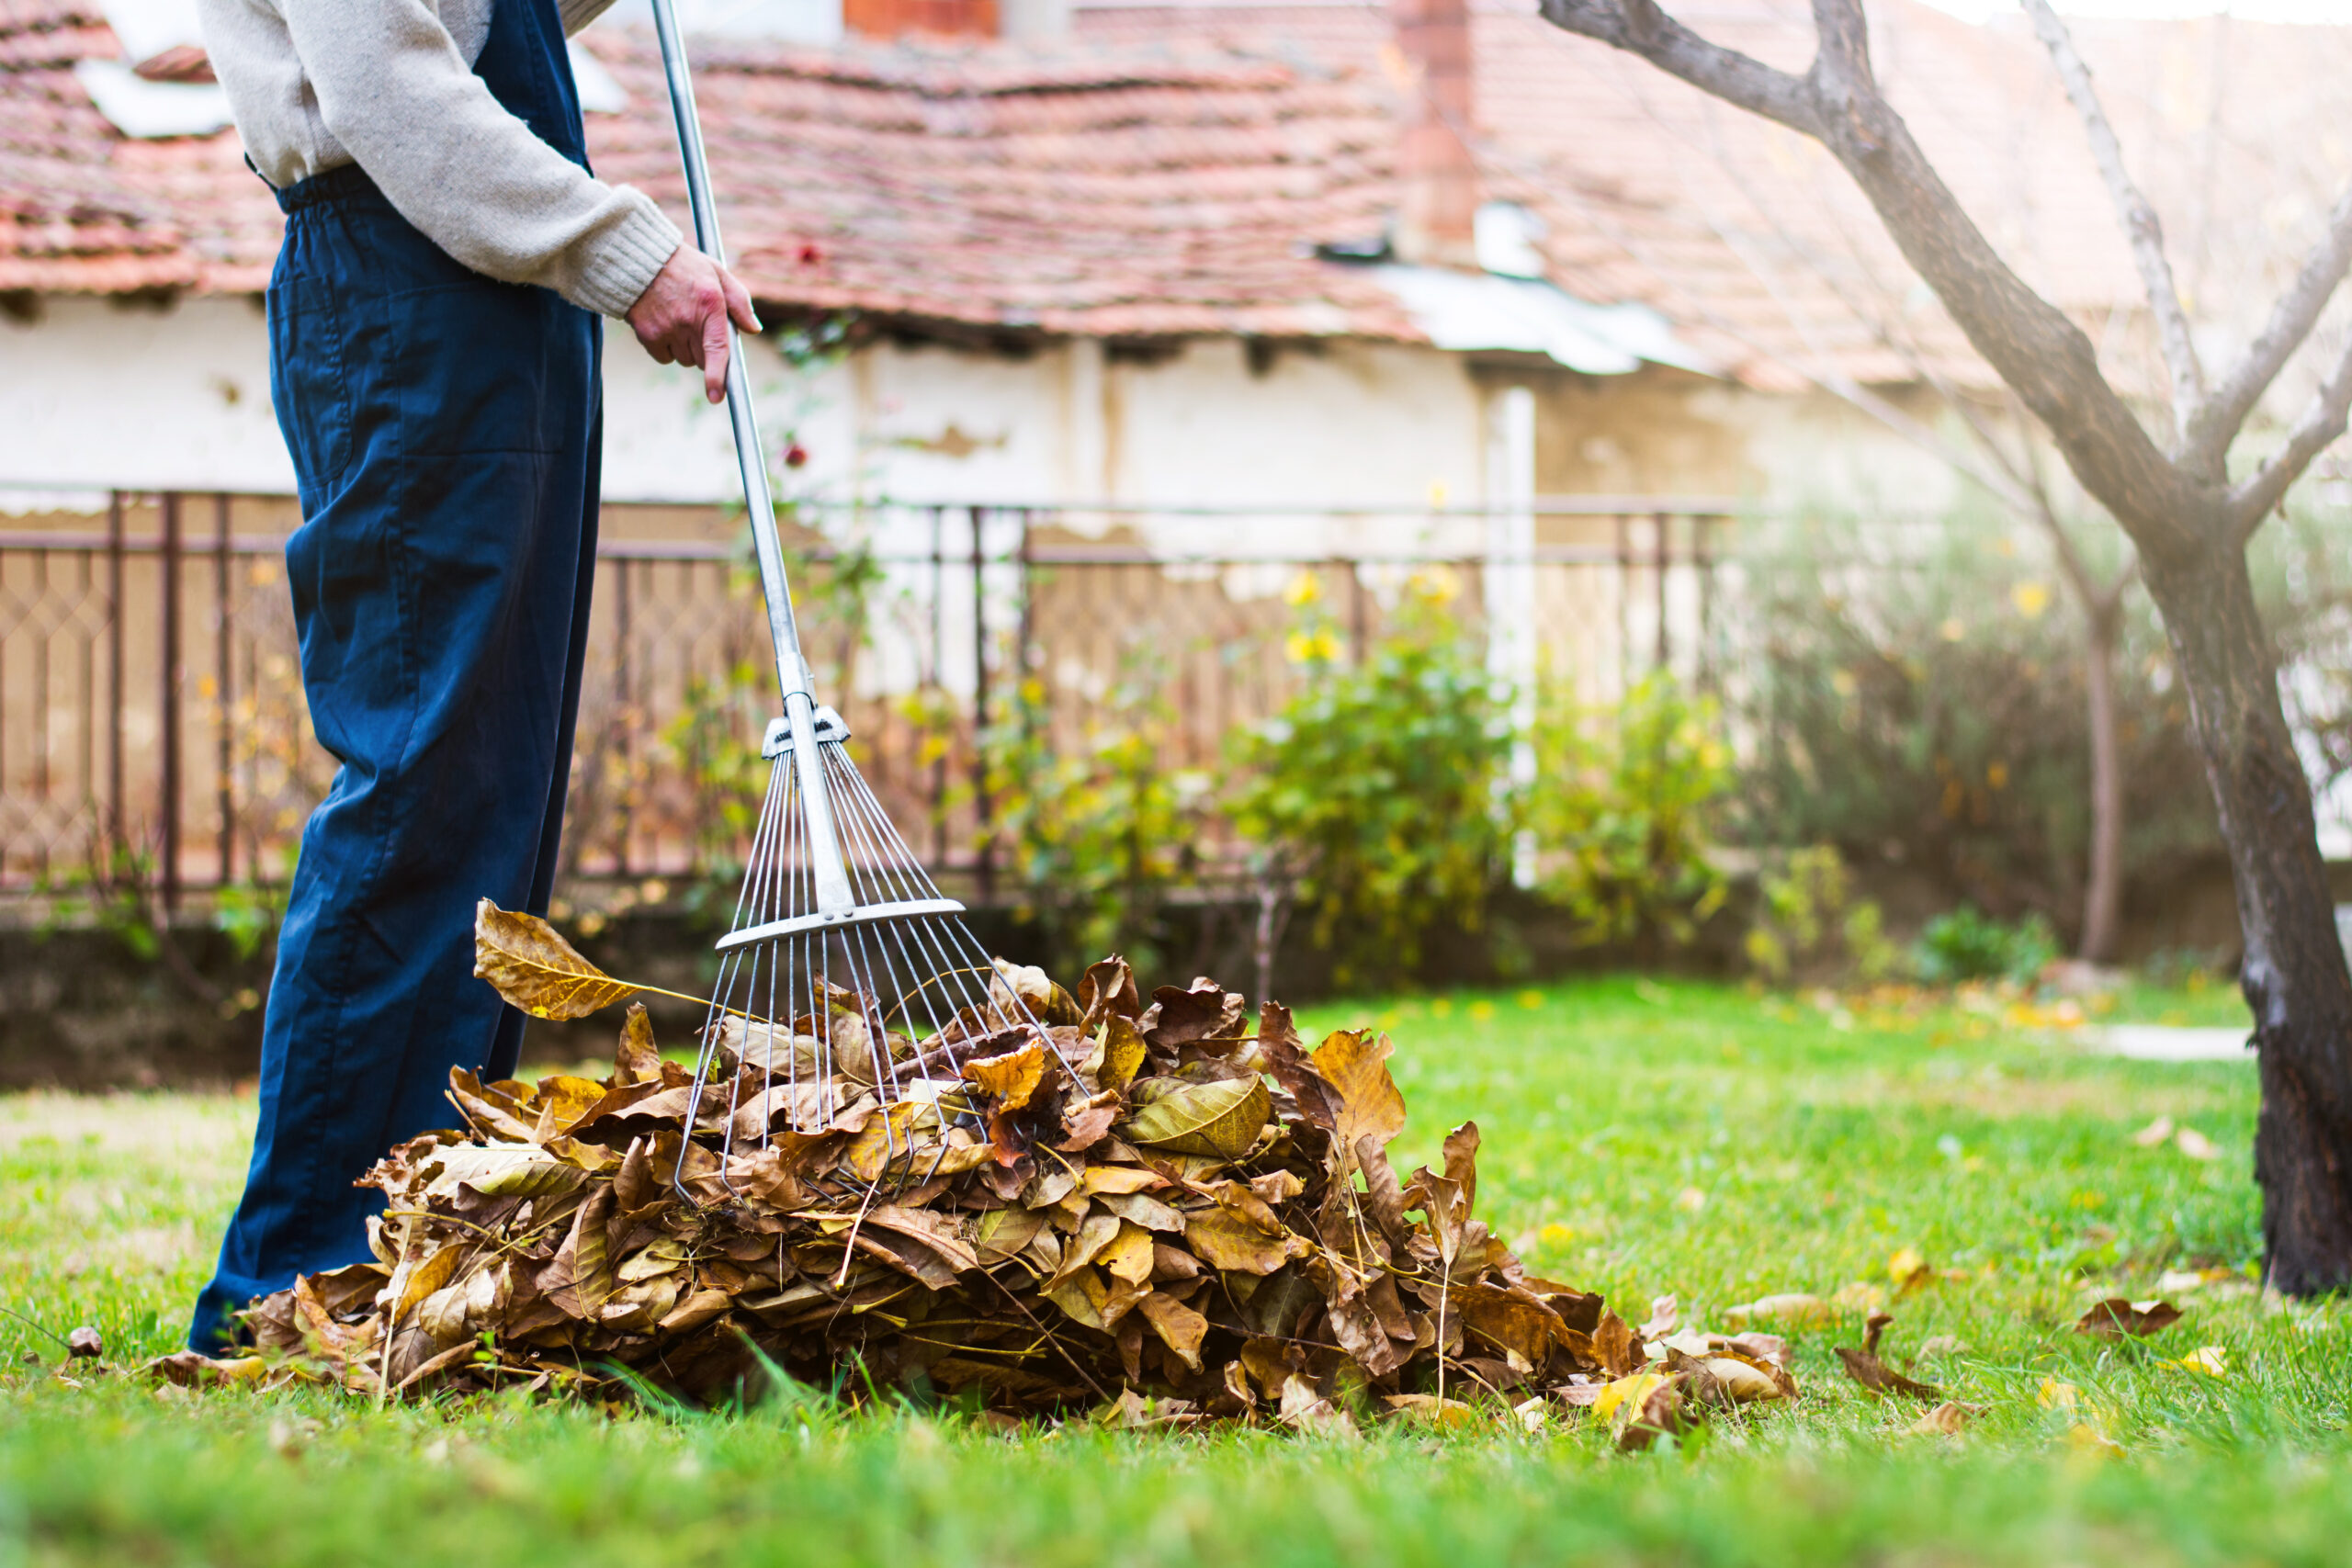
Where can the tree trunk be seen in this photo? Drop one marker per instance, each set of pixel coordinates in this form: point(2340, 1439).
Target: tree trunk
point(2103, 889)
point(2293, 972)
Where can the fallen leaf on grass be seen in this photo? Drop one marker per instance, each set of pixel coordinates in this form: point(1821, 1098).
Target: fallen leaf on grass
point(2056, 1396)
point(1948, 1418)
point(1640, 1408)
point(2115, 1317)
point(1909, 1269)
point(1860, 1297)
point(2195, 1144)
point(84, 1342)
point(1792, 1310)
point(1450, 1413)
point(2088, 1442)
point(2155, 1132)
point(1865, 1368)
point(2210, 1360)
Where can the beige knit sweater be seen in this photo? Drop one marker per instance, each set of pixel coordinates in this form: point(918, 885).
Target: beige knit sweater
point(390, 84)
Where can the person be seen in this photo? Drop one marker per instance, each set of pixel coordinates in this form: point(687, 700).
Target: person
point(435, 344)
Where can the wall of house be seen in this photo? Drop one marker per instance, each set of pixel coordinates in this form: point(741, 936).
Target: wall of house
point(96, 394)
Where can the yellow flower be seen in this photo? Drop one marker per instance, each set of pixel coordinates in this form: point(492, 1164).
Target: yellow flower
point(2030, 598)
point(1305, 589)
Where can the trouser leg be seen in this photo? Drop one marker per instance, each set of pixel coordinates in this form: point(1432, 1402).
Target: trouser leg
point(443, 610)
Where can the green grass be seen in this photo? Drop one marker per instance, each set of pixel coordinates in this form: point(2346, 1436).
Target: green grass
point(1640, 1137)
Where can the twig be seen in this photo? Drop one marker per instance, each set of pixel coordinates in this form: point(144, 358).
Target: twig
point(2139, 219)
point(37, 1326)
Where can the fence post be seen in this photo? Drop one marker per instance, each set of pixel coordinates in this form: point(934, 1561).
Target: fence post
point(1624, 595)
point(1703, 558)
point(983, 868)
point(224, 757)
point(1665, 545)
point(623, 670)
point(114, 674)
point(938, 680)
point(169, 805)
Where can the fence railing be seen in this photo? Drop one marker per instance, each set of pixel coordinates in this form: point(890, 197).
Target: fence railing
point(150, 704)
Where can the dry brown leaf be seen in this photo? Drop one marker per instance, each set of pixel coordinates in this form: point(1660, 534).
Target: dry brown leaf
point(1948, 1419)
point(637, 1059)
point(1220, 1119)
point(2115, 1317)
point(1224, 1239)
point(535, 969)
point(1355, 1064)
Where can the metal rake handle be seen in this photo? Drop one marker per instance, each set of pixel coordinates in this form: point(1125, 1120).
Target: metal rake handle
point(792, 670)
point(834, 898)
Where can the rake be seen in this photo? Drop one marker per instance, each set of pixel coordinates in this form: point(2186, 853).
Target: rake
point(846, 977)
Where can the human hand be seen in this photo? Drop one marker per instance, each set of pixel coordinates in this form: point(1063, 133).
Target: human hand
point(681, 316)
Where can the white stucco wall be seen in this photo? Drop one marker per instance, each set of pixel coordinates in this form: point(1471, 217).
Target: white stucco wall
point(95, 395)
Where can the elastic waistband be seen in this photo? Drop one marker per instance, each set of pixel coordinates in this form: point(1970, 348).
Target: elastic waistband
point(342, 183)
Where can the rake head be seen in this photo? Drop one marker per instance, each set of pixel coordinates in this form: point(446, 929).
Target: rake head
point(849, 987)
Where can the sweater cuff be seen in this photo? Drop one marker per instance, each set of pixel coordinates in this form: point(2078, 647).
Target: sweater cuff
point(623, 260)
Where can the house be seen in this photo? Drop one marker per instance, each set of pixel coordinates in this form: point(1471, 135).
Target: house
point(1220, 280)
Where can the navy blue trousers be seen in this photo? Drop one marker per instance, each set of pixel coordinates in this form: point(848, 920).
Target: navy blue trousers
point(446, 432)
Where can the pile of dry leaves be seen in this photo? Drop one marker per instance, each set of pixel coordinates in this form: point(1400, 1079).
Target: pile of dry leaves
point(1191, 1213)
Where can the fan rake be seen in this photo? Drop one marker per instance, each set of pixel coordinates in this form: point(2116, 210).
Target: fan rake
point(846, 979)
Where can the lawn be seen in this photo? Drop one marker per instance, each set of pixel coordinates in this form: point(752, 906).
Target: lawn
point(1640, 1137)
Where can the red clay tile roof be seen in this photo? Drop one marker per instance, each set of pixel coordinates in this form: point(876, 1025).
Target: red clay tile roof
point(1109, 192)
point(1169, 169)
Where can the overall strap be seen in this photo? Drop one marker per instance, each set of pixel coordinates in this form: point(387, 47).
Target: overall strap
point(528, 69)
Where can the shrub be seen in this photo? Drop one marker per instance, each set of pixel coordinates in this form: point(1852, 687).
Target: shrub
point(1100, 835)
point(1378, 790)
point(1964, 944)
point(1918, 697)
point(1624, 810)
point(1809, 925)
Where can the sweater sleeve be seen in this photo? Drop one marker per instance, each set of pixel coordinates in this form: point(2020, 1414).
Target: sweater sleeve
point(394, 91)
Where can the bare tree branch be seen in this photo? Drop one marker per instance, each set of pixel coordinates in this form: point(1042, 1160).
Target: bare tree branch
point(2322, 423)
point(2029, 342)
point(1638, 26)
point(2217, 423)
point(2140, 223)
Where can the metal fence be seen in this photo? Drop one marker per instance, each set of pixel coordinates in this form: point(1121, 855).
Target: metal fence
point(152, 711)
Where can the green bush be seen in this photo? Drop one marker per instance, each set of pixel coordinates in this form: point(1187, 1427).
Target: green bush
point(1965, 944)
point(1378, 790)
point(1625, 807)
point(1095, 837)
point(1918, 697)
point(1809, 925)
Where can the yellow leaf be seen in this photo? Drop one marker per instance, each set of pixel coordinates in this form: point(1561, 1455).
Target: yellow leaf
point(1908, 1268)
point(2089, 1443)
point(1011, 1077)
point(2056, 1396)
point(1622, 1401)
point(535, 969)
point(1128, 1254)
point(2210, 1360)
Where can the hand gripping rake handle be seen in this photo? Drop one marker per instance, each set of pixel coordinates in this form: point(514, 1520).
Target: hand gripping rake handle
point(831, 879)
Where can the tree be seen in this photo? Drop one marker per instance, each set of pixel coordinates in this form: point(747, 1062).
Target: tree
point(2188, 519)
